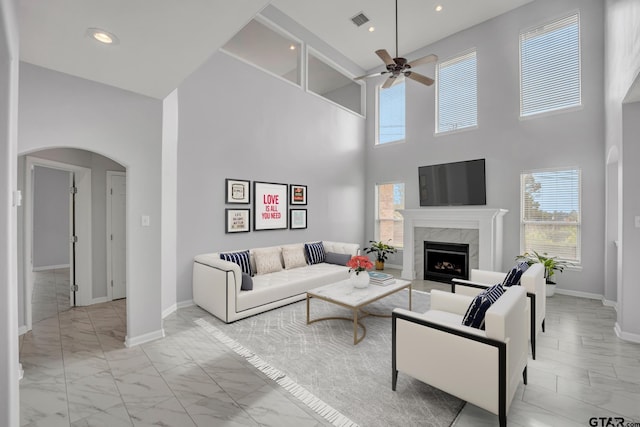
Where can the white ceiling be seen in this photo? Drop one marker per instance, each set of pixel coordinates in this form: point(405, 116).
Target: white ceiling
point(163, 41)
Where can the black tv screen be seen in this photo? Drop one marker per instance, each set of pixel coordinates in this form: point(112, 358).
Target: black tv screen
point(453, 184)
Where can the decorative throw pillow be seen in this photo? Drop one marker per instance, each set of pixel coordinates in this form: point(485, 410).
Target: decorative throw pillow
point(267, 260)
point(338, 259)
point(293, 257)
point(513, 277)
point(315, 252)
point(247, 283)
point(240, 258)
point(475, 314)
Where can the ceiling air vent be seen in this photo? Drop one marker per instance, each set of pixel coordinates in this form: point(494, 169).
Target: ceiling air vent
point(360, 19)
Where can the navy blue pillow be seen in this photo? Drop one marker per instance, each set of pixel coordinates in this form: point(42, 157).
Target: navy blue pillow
point(247, 282)
point(315, 253)
point(240, 258)
point(475, 314)
point(337, 259)
point(513, 277)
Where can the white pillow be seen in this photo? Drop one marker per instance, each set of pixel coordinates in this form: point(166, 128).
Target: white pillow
point(267, 260)
point(293, 257)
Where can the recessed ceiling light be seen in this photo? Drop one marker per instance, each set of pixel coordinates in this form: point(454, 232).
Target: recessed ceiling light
point(102, 36)
point(292, 47)
point(372, 29)
point(439, 8)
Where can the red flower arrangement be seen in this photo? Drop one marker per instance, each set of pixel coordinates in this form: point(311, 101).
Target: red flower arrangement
point(359, 263)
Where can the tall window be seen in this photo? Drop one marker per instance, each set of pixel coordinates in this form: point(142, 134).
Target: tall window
point(391, 114)
point(551, 213)
point(389, 222)
point(550, 67)
point(457, 93)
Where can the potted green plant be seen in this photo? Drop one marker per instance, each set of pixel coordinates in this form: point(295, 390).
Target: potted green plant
point(551, 265)
point(381, 250)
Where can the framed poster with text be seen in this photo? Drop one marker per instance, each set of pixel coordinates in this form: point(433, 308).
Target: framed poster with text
point(237, 221)
point(269, 206)
point(298, 194)
point(237, 191)
point(297, 219)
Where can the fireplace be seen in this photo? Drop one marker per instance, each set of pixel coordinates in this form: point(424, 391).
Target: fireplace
point(445, 261)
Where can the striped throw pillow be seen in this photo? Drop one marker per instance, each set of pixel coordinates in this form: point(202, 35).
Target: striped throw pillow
point(475, 314)
point(315, 252)
point(240, 258)
point(513, 277)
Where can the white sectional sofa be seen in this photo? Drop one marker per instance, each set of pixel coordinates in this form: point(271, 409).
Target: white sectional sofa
point(217, 283)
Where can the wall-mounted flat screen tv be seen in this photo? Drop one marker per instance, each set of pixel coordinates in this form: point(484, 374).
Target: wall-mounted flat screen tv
point(453, 184)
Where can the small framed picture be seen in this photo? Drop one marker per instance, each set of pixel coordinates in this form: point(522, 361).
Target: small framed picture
point(237, 220)
point(298, 194)
point(237, 191)
point(297, 219)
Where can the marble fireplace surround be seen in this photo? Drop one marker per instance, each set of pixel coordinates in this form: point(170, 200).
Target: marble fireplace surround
point(424, 224)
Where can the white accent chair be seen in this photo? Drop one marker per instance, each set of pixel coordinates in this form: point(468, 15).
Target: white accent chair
point(532, 281)
point(482, 367)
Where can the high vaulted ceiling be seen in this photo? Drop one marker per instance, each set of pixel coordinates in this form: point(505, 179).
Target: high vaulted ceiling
point(161, 42)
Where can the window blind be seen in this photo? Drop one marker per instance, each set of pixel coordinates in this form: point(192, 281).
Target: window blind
point(457, 93)
point(391, 113)
point(550, 67)
point(551, 213)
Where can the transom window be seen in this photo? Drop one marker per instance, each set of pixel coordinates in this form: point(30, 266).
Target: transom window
point(457, 93)
point(389, 222)
point(550, 67)
point(391, 113)
point(551, 213)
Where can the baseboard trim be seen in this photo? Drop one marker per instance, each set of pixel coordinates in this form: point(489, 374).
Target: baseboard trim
point(579, 294)
point(23, 330)
point(51, 267)
point(627, 336)
point(608, 303)
point(176, 306)
point(141, 339)
point(397, 267)
point(99, 300)
point(20, 372)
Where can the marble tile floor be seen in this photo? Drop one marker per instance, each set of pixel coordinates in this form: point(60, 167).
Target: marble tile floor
point(79, 373)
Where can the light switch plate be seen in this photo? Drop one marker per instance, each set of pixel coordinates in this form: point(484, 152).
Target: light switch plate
point(145, 221)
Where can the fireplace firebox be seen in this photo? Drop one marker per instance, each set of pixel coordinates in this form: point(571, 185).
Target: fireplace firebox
point(445, 261)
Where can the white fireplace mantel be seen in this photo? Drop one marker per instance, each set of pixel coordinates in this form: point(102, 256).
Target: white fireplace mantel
point(487, 221)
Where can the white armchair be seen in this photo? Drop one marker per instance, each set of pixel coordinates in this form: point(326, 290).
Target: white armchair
point(532, 281)
point(482, 367)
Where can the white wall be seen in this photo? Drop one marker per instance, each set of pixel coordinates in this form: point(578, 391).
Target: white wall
point(622, 66)
point(9, 390)
point(50, 218)
point(251, 125)
point(58, 110)
point(509, 144)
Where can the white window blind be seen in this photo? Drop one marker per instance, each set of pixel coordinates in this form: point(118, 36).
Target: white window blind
point(551, 213)
point(550, 67)
point(391, 113)
point(457, 93)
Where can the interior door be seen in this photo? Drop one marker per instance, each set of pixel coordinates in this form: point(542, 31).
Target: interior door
point(118, 236)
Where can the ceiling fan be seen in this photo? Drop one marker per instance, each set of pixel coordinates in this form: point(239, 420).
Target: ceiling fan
point(398, 67)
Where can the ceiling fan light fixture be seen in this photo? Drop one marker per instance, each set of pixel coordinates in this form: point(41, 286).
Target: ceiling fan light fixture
point(103, 36)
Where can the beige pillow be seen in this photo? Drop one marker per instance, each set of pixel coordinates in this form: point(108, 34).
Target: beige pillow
point(293, 257)
point(267, 260)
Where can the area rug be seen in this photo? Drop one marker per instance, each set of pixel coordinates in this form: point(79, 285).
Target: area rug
point(347, 384)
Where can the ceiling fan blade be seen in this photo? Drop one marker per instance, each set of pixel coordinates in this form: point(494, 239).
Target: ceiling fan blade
point(424, 60)
point(389, 82)
point(419, 78)
point(384, 55)
point(371, 75)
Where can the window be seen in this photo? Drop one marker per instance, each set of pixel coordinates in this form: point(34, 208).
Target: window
point(457, 93)
point(327, 81)
point(550, 67)
point(391, 113)
point(261, 45)
point(551, 213)
point(389, 222)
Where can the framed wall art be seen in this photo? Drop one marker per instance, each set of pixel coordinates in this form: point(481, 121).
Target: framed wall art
point(298, 194)
point(269, 206)
point(237, 191)
point(297, 219)
point(237, 220)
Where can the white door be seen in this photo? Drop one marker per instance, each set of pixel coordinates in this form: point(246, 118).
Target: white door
point(118, 238)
